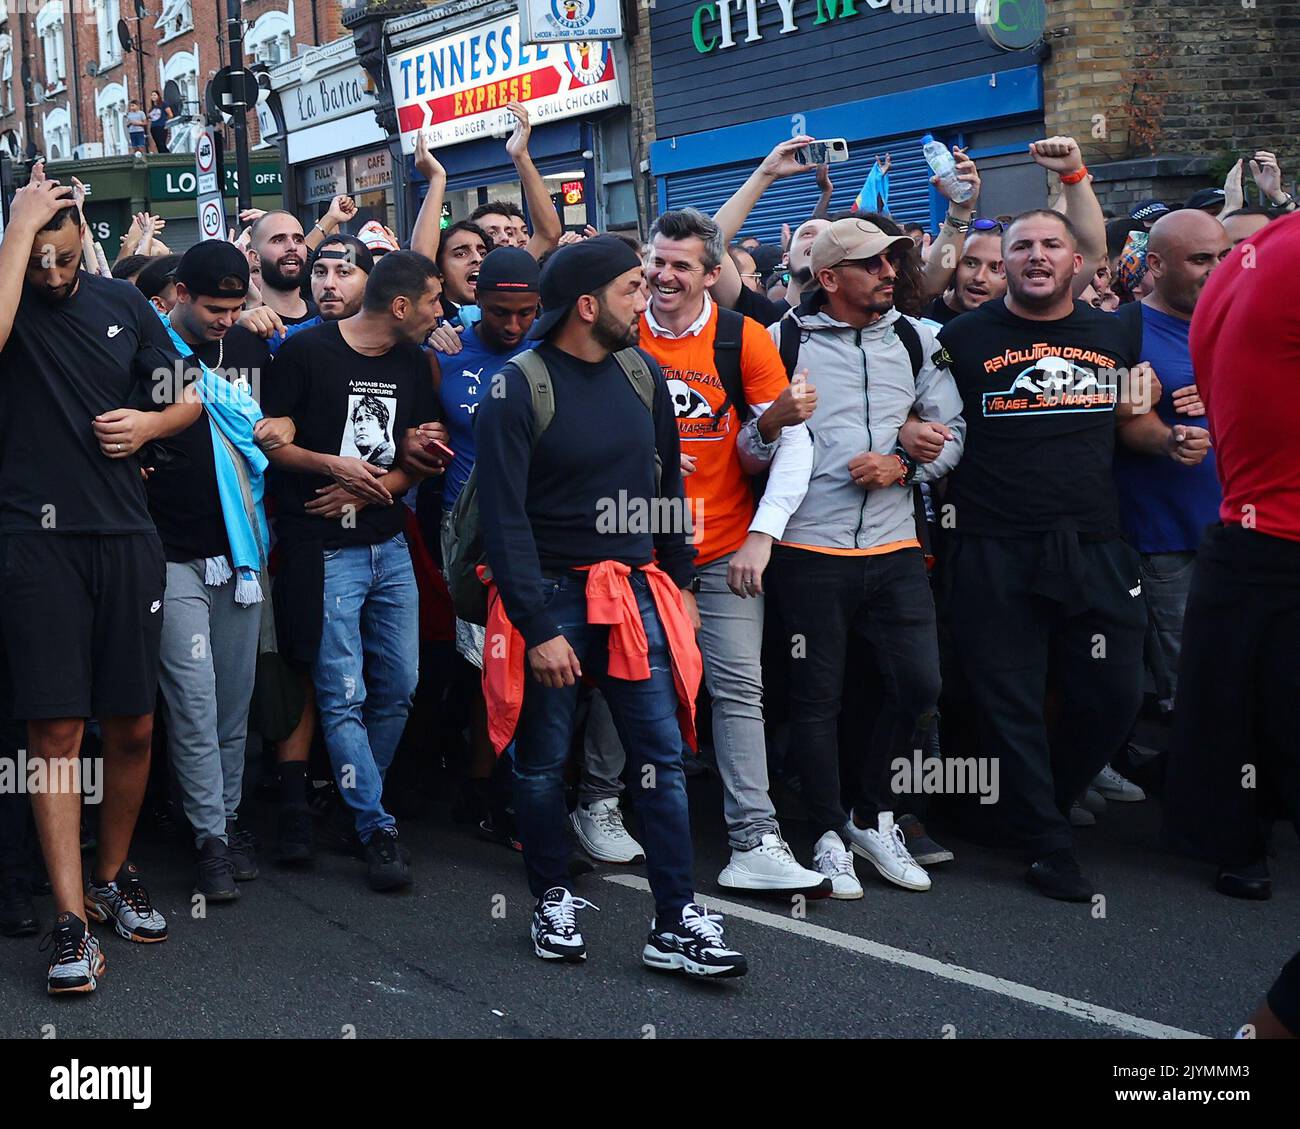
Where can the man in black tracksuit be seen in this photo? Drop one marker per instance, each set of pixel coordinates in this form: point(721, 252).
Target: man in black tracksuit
point(1037, 571)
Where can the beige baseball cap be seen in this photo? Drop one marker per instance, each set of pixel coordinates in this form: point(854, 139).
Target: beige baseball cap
point(850, 239)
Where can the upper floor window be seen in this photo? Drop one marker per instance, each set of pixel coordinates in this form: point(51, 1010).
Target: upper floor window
point(49, 26)
point(107, 13)
point(6, 74)
point(110, 107)
point(177, 16)
point(270, 39)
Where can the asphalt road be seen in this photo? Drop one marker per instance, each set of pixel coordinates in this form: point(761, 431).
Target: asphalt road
point(316, 954)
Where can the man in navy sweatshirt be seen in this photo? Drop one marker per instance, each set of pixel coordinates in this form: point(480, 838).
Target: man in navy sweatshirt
point(572, 515)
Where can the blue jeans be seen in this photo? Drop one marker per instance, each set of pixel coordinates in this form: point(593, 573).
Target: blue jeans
point(366, 669)
point(645, 715)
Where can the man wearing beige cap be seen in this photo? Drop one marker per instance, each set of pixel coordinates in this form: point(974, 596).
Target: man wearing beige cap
point(850, 559)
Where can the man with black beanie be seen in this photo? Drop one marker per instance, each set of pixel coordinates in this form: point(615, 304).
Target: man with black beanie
point(583, 584)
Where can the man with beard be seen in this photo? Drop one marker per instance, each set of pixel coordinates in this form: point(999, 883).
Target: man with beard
point(573, 592)
point(1235, 766)
point(83, 567)
point(278, 252)
point(1036, 564)
point(339, 268)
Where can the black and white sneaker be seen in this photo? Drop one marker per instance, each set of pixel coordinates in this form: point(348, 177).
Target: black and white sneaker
point(555, 929)
point(125, 902)
point(76, 963)
point(693, 945)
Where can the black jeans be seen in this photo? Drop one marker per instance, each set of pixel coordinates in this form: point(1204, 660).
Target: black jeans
point(886, 598)
point(1235, 761)
point(1016, 604)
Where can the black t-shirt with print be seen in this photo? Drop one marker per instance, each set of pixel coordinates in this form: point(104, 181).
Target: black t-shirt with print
point(65, 363)
point(1039, 404)
point(344, 403)
point(312, 312)
point(183, 495)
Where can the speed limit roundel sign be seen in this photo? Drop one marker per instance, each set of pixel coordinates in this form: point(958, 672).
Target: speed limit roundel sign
point(205, 154)
point(210, 219)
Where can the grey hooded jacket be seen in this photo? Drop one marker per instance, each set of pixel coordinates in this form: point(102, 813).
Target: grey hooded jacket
point(865, 391)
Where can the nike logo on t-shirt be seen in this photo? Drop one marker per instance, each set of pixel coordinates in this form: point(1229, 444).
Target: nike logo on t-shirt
point(114, 330)
point(155, 606)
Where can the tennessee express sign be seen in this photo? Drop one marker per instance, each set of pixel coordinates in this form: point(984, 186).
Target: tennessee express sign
point(457, 88)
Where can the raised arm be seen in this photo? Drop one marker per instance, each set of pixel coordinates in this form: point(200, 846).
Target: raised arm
point(341, 209)
point(547, 227)
point(32, 208)
point(428, 224)
point(1061, 155)
point(945, 251)
point(779, 163)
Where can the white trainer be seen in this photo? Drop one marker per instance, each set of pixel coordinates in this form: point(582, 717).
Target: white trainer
point(772, 867)
point(600, 830)
point(1115, 787)
point(886, 850)
point(833, 859)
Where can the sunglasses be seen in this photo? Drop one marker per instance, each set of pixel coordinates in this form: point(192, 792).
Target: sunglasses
point(876, 263)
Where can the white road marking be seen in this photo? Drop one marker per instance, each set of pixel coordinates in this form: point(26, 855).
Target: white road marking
point(1076, 1009)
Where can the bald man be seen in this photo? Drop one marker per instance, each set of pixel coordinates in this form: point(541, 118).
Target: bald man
point(1165, 506)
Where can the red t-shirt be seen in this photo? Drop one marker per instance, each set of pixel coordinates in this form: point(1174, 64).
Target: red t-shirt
point(1245, 345)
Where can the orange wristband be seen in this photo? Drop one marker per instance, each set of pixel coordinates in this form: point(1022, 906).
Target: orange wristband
point(1075, 177)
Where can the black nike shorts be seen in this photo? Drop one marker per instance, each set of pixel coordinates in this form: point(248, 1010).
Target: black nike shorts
point(82, 622)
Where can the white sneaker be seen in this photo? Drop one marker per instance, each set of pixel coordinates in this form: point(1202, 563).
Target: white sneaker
point(833, 859)
point(600, 830)
point(1114, 787)
point(772, 866)
point(886, 850)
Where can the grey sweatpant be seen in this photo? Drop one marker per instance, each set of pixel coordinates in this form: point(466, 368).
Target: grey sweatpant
point(209, 658)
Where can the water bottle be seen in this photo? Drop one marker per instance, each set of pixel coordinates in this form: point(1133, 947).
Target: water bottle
point(944, 167)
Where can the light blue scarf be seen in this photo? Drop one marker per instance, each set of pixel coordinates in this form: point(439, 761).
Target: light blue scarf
point(232, 413)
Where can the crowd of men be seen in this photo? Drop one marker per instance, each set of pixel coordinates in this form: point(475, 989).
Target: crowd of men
point(832, 489)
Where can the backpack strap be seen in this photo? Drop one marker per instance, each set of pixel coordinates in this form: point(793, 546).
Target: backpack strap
point(643, 381)
point(727, 339)
point(789, 344)
point(912, 343)
point(539, 384)
point(1130, 317)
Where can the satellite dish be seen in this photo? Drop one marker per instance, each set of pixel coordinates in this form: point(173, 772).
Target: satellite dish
point(213, 114)
point(124, 36)
point(172, 94)
point(92, 68)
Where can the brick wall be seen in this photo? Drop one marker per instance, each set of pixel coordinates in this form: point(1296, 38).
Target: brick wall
point(205, 41)
point(1193, 82)
point(643, 111)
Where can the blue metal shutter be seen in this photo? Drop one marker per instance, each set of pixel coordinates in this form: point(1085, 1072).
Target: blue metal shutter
point(793, 199)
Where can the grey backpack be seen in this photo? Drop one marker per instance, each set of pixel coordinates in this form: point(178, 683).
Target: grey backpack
point(464, 550)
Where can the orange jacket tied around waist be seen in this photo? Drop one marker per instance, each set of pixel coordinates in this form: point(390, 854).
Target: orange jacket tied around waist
point(610, 600)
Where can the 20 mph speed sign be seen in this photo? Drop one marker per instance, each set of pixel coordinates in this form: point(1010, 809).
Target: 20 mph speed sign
point(212, 219)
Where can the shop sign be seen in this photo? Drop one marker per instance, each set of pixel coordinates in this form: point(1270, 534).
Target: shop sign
point(323, 181)
point(456, 88)
point(571, 21)
point(370, 172)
